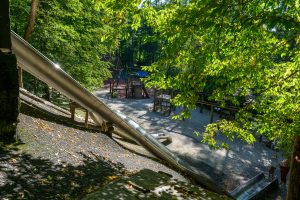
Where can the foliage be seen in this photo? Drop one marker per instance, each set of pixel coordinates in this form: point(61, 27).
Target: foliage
point(139, 45)
point(244, 47)
point(73, 33)
point(19, 11)
point(230, 48)
point(140, 48)
point(86, 37)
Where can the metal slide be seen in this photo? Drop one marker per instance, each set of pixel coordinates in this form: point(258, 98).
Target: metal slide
point(41, 67)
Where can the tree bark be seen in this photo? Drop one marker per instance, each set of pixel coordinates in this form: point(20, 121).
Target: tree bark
point(28, 31)
point(294, 180)
point(31, 20)
point(9, 88)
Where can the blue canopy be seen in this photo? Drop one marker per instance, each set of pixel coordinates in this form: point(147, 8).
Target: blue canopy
point(142, 74)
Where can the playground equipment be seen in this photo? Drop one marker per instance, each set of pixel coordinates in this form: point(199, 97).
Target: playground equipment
point(41, 67)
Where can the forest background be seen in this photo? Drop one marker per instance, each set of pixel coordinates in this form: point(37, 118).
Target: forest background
point(230, 49)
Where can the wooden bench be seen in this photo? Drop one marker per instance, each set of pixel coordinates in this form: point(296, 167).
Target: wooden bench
point(225, 113)
point(73, 106)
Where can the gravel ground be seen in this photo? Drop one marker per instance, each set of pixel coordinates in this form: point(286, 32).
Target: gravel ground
point(229, 168)
point(57, 161)
point(68, 145)
point(61, 160)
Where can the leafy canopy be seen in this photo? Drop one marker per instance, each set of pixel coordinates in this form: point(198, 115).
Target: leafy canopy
point(243, 47)
point(77, 34)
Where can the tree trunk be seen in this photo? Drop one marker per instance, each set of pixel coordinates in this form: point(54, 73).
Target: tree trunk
point(9, 88)
point(28, 31)
point(294, 180)
point(31, 20)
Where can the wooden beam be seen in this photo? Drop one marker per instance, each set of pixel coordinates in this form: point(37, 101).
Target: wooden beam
point(211, 114)
point(5, 42)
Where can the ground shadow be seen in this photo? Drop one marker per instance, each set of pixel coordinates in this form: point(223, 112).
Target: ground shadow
point(147, 184)
point(25, 177)
point(215, 174)
point(51, 117)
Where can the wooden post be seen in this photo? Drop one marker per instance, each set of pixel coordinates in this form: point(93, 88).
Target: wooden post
point(5, 41)
point(211, 114)
point(73, 106)
point(86, 120)
point(294, 181)
point(9, 86)
point(155, 100)
point(110, 86)
point(20, 73)
point(72, 111)
point(201, 104)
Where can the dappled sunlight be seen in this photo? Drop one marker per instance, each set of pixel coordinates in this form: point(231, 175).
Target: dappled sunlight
point(231, 167)
point(148, 184)
point(26, 177)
